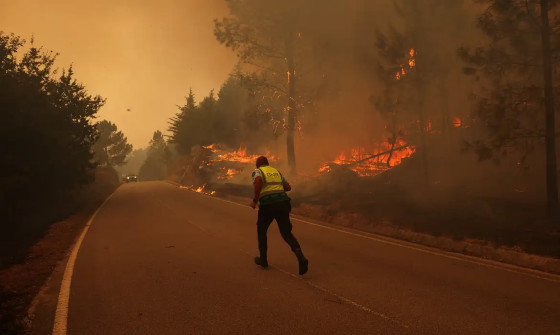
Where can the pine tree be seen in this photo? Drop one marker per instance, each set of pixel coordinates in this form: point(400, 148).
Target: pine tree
point(194, 124)
point(414, 71)
point(111, 147)
point(515, 67)
point(265, 36)
point(180, 127)
point(46, 133)
point(155, 165)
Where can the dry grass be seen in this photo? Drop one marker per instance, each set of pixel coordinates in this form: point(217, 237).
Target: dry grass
point(475, 247)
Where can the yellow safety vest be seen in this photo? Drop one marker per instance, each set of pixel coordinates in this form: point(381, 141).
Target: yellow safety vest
point(272, 181)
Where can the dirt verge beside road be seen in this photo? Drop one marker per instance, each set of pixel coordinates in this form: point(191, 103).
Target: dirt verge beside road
point(20, 283)
point(468, 246)
point(472, 247)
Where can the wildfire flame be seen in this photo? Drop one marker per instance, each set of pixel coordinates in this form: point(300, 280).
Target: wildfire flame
point(226, 174)
point(411, 59)
point(356, 159)
point(411, 65)
point(238, 157)
point(199, 189)
point(457, 123)
point(241, 156)
point(212, 147)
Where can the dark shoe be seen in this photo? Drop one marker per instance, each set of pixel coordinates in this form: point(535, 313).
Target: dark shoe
point(303, 266)
point(262, 262)
point(303, 262)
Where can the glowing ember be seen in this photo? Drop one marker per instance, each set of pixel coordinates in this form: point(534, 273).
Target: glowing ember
point(226, 174)
point(212, 147)
point(362, 162)
point(199, 189)
point(411, 64)
point(411, 59)
point(457, 123)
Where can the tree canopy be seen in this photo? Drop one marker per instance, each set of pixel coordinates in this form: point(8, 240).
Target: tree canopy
point(514, 104)
point(157, 158)
point(111, 147)
point(46, 134)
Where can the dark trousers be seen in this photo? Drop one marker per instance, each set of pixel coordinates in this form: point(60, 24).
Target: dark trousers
point(281, 212)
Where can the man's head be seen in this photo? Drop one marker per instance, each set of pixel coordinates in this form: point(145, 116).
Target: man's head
point(262, 161)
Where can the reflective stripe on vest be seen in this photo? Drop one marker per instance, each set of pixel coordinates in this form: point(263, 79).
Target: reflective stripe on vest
point(272, 181)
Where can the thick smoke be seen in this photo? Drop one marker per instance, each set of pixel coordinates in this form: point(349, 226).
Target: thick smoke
point(143, 56)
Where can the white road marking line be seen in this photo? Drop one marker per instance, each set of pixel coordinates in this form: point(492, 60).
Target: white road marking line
point(465, 258)
point(61, 315)
point(343, 299)
point(315, 286)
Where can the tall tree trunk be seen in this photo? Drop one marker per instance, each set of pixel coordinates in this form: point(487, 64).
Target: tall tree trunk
point(292, 106)
point(423, 140)
point(446, 123)
point(107, 160)
point(393, 140)
point(417, 31)
point(551, 178)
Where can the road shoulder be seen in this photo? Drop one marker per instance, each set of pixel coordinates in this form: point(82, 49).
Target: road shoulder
point(481, 251)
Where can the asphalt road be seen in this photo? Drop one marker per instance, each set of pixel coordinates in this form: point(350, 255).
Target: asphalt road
point(162, 260)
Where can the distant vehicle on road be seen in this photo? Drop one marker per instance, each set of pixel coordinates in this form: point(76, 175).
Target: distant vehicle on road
point(130, 178)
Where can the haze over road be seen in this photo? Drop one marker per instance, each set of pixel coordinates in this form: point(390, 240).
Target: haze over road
point(162, 260)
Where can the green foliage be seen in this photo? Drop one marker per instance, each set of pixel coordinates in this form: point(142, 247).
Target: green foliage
point(111, 147)
point(232, 118)
point(192, 125)
point(45, 135)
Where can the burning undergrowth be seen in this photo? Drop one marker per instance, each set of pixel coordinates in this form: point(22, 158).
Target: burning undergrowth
point(368, 163)
point(456, 196)
point(207, 167)
point(224, 165)
point(386, 183)
point(200, 189)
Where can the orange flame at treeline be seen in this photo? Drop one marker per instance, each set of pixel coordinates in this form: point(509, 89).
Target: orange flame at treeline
point(239, 157)
point(360, 160)
point(367, 163)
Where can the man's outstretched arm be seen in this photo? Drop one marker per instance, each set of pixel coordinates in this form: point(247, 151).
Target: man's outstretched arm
point(257, 191)
point(287, 186)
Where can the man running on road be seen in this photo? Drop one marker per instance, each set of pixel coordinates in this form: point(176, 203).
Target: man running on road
point(270, 191)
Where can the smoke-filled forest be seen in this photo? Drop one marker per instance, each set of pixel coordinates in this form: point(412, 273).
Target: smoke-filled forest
point(431, 115)
point(426, 120)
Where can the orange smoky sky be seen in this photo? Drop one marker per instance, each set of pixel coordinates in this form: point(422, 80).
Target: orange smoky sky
point(142, 56)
